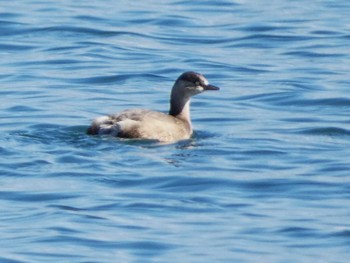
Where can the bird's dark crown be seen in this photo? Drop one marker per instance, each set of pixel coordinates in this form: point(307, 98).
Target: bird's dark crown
point(193, 77)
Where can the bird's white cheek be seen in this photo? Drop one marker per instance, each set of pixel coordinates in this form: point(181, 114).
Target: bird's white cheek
point(199, 89)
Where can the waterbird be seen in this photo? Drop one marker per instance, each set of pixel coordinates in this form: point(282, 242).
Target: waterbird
point(154, 125)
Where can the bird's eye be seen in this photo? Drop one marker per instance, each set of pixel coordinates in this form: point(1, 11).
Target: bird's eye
point(197, 83)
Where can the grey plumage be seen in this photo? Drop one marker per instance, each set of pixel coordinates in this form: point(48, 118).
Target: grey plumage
point(147, 124)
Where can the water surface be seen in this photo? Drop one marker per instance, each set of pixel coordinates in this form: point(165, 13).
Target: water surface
point(265, 177)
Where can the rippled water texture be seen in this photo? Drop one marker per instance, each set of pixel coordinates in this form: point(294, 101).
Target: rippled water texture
point(266, 177)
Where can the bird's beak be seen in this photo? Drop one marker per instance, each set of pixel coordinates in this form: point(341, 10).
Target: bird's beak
point(210, 87)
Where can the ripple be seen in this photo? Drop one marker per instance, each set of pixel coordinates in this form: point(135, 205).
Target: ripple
point(71, 30)
point(310, 54)
point(184, 184)
point(33, 197)
point(8, 260)
point(114, 78)
point(16, 47)
point(278, 99)
point(300, 232)
point(326, 131)
point(263, 28)
point(22, 108)
point(275, 38)
point(326, 32)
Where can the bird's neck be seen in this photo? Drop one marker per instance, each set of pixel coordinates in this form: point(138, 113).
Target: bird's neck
point(180, 108)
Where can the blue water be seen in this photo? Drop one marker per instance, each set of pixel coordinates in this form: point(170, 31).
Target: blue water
point(266, 177)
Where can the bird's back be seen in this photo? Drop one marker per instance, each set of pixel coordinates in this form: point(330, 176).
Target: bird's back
point(142, 124)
